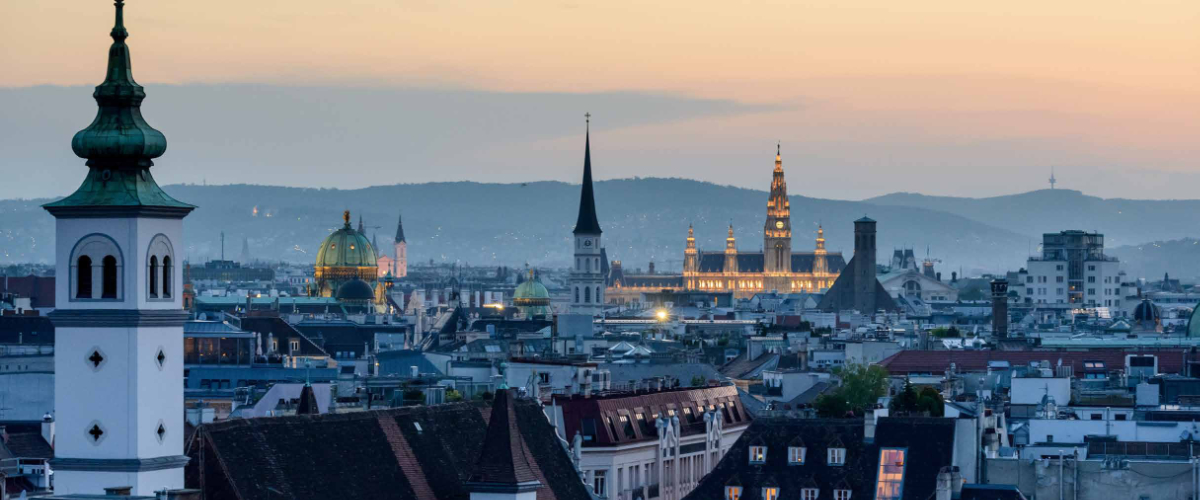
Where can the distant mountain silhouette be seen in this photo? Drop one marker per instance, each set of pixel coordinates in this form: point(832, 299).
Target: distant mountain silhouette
point(642, 219)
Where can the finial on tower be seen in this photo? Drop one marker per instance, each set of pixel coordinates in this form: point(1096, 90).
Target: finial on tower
point(346, 218)
point(1052, 179)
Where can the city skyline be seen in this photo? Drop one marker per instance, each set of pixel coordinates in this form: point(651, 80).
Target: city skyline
point(927, 98)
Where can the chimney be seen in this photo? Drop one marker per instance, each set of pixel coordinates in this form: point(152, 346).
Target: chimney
point(1000, 308)
point(956, 481)
point(943, 490)
point(48, 428)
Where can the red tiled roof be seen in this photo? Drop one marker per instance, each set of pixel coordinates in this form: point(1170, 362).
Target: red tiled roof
point(935, 362)
point(40, 289)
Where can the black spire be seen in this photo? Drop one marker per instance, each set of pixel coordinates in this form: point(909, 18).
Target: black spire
point(400, 229)
point(587, 222)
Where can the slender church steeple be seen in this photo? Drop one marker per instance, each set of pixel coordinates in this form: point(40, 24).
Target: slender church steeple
point(587, 277)
point(587, 223)
point(777, 231)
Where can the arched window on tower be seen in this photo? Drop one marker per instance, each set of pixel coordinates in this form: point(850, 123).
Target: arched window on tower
point(153, 276)
point(576, 294)
point(108, 278)
point(166, 277)
point(83, 277)
point(587, 295)
point(598, 295)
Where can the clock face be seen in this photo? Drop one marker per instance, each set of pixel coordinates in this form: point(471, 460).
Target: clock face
point(587, 243)
point(778, 224)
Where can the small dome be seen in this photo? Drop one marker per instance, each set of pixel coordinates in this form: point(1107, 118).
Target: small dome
point(355, 290)
point(1146, 311)
point(531, 293)
point(346, 247)
point(1193, 327)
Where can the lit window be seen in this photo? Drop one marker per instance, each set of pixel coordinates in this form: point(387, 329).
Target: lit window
point(841, 494)
point(890, 485)
point(796, 455)
point(758, 454)
point(837, 456)
point(733, 493)
point(809, 494)
point(770, 493)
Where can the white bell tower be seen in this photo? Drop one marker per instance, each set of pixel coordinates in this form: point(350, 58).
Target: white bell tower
point(118, 389)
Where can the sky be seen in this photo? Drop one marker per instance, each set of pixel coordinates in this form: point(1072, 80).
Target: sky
point(867, 97)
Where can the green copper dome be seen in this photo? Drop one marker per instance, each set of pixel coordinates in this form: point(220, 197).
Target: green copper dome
point(119, 147)
point(346, 247)
point(532, 297)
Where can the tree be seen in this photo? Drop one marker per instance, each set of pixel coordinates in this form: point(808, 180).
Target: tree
point(453, 396)
point(907, 401)
point(931, 401)
point(928, 401)
point(862, 385)
point(698, 381)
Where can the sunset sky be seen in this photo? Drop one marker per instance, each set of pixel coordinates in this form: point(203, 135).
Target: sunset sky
point(867, 96)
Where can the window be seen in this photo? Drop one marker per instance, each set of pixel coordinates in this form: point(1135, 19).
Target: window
point(796, 455)
point(166, 277)
point(294, 345)
point(587, 295)
point(598, 482)
point(770, 493)
point(1091, 268)
point(1058, 279)
point(758, 454)
point(1097, 416)
point(837, 456)
point(627, 426)
point(576, 294)
point(1091, 279)
point(153, 276)
point(809, 494)
point(841, 494)
point(733, 493)
point(108, 278)
point(83, 284)
point(890, 484)
point(1119, 416)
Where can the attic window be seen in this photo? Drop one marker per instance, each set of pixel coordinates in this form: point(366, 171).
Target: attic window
point(890, 482)
point(627, 426)
point(837, 456)
point(733, 493)
point(796, 455)
point(418, 426)
point(809, 494)
point(841, 494)
point(770, 493)
point(758, 454)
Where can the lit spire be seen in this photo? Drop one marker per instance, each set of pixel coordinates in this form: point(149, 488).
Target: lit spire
point(778, 158)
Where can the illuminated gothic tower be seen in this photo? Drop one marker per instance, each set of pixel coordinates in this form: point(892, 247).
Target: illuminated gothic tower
point(587, 281)
point(691, 257)
point(731, 253)
point(777, 232)
point(820, 265)
point(118, 361)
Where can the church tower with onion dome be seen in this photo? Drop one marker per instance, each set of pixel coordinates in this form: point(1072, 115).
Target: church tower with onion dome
point(118, 359)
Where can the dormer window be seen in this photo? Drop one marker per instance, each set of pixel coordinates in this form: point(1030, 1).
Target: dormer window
point(733, 493)
point(758, 454)
point(809, 494)
point(841, 494)
point(837, 456)
point(770, 493)
point(796, 455)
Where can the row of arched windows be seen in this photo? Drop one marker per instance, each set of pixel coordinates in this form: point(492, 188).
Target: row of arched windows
point(97, 262)
point(587, 295)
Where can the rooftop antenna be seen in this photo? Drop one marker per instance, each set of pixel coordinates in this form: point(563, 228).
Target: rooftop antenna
point(1052, 179)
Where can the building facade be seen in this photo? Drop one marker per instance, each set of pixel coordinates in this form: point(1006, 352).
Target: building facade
point(396, 264)
point(118, 359)
point(775, 268)
point(1072, 269)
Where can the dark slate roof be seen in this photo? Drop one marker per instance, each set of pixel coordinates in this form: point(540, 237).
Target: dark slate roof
point(601, 414)
point(308, 402)
point(650, 280)
point(841, 295)
point(422, 452)
point(929, 444)
point(1170, 361)
point(503, 464)
point(752, 262)
point(27, 445)
point(39, 289)
point(273, 325)
point(622, 373)
point(400, 362)
point(740, 367)
point(26, 330)
point(991, 492)
point(587, 223)
point(810, 395)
